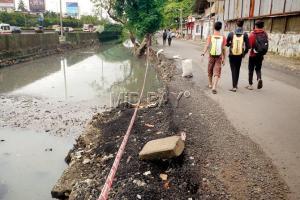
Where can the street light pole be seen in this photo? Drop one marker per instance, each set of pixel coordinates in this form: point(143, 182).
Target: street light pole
point(61, 20)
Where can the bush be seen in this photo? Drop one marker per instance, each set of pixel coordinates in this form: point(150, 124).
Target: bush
point(111, 32)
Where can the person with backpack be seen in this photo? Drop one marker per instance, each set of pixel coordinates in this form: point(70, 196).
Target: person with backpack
point(259, 44)
point(238, 43)
point(216, 44)
point(165, 35)
point(170, 35)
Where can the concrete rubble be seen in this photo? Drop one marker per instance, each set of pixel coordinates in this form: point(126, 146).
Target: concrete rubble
point(164, 148)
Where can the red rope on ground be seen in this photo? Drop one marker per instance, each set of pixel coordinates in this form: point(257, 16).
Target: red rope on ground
point(108, 183)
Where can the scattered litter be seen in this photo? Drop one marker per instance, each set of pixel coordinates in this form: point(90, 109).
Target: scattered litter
point(139, 196)
point(187, 68)
point(187, 94)
point(88, 181)
point(105, 158)
point(128, 159)
point(179, 96)
point(78, 154)
point(192, 158)
point(152, 105)
point(149, 125)
point(159, 52)
point(147, 173)
point(86, 161)
point(183, 136)
point(167, 185)
point(169, 170)
point(190, 114)
point(139, 183)
point(159, 132)
point(177, 57)
point(163, 177)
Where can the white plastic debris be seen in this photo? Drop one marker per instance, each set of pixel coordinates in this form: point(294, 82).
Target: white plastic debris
point(147, 173)
point(128, 44)
point(176, 57)
point(139, 183)
point(86, 161)
point(187, 68)
point(159, 52)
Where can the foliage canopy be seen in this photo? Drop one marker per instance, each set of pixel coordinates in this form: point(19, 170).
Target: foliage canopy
point(141, 17)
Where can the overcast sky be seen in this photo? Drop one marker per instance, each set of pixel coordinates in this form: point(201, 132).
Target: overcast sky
point(85, 6)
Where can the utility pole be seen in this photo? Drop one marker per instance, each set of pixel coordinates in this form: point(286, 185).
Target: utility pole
point(209, 31)
point(61, 21)
point(181, 31)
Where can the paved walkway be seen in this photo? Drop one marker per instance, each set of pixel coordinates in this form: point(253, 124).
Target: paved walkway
point(271, 116)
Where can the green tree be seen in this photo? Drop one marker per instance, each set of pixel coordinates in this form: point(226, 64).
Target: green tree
point(21, 6)
point(171, 11)
point(141, 17)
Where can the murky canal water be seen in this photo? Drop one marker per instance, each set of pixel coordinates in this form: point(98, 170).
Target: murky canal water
point(30, 163)
point(46, 104)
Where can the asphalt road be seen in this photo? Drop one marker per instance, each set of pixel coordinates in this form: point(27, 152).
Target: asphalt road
point(270, 117)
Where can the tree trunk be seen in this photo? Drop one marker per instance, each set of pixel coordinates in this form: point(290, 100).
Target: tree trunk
point(140, 50)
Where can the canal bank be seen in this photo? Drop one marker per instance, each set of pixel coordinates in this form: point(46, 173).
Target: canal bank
point(56, 96)
point(218, 161)
point(18, 48)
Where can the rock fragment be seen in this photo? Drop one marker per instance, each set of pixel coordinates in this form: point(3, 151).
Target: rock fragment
point(164, 148)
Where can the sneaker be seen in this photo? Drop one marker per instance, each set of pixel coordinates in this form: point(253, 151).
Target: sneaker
point(260, 84)
point(249, 87)
point(233, 90)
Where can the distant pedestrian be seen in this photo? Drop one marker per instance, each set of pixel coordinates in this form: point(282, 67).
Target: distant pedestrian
point(259, 45)
point(170, 35)
point(216, 44)
point(165, 35)
point(238, 43)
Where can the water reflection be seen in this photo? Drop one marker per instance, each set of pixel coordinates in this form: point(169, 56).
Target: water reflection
point(28, 168)
point(79, 76)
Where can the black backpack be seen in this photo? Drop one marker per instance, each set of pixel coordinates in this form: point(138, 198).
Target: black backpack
point(165, 35)
point(261, 43)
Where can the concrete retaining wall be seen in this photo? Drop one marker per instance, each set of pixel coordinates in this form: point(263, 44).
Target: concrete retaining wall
point(22, 44)
point(16, 48)
point(285, 44)
point(81, 38)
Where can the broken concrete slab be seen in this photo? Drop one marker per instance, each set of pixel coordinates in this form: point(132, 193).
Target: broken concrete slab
point(164, 148)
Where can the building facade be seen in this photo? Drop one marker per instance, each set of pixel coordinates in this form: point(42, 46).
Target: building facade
point(281, 17)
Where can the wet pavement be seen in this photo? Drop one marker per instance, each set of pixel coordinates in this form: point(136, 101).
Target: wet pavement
point(55, 97)
point(270, 117)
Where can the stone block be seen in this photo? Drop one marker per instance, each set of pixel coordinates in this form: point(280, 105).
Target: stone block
point(164, 148)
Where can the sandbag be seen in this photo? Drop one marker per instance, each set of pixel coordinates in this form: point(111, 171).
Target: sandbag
point(187, 68)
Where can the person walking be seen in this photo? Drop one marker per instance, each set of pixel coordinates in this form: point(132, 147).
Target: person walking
point(170, 35)
point(165, 35)
point(216, 44)
point(238, 43)
point(259, 44)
